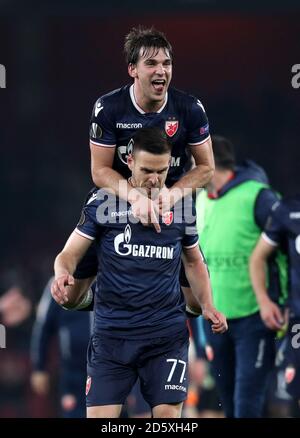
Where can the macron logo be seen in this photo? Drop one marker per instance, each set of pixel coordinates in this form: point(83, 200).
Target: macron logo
point(98, 108)
point(176, 387)
point(121, 213)
point(200, 104)
point(92, 198)
point(129, 125)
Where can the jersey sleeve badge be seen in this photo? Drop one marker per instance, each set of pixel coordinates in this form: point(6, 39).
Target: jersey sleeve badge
point(95, 131)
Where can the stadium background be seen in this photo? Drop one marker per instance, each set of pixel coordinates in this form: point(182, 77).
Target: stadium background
point(59, 59)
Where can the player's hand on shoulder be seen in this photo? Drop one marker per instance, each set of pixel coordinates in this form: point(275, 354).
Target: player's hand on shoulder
point(144, 209)
point(167, 199)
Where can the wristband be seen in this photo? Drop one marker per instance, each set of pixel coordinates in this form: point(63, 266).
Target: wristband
point(192, 312)
point(85, 301)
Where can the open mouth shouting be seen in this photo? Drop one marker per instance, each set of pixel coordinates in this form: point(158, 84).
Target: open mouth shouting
point(159, 85)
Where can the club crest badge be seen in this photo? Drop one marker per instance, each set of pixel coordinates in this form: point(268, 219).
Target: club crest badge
point(167, 217)
point(171, 127)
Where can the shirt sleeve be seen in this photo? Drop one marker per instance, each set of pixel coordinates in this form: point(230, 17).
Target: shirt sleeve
point(198, 126)
point(102, 128)
point(265, 200)
point(95, 214)
point(88, 226)
point(274, 229)
point(88, 265)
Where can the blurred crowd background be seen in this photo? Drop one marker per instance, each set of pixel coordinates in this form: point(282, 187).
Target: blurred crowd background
point(59, 59)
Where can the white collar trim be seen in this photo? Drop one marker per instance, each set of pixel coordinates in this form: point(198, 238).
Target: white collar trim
point(132, 97)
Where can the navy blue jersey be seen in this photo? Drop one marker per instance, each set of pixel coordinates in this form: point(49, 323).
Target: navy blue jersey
point(138, 293)
point(116, 117)
point(263, 205)
point(283, 229)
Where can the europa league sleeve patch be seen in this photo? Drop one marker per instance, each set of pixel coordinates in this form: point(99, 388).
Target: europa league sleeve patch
point(82, 219)
point(88, 385)
point(95, 131)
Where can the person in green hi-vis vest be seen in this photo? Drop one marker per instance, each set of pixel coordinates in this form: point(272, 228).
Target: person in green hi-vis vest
point(230, 216)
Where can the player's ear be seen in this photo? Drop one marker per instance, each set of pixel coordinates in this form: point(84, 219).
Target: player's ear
point(132, 70)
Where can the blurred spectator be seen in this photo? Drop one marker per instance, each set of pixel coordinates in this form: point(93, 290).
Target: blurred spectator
point(203, 400)
point(15, 313)
point(73, 330)
point(14, 307)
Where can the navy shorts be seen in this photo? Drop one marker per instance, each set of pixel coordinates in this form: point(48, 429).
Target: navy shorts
point(114, 364)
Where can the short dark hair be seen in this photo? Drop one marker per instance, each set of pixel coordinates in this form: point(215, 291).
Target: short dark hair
point(224, 154)
point(140, 37)
point(152, 140)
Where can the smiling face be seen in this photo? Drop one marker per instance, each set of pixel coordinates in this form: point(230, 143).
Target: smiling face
point(149, 171)
point(152, 75)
